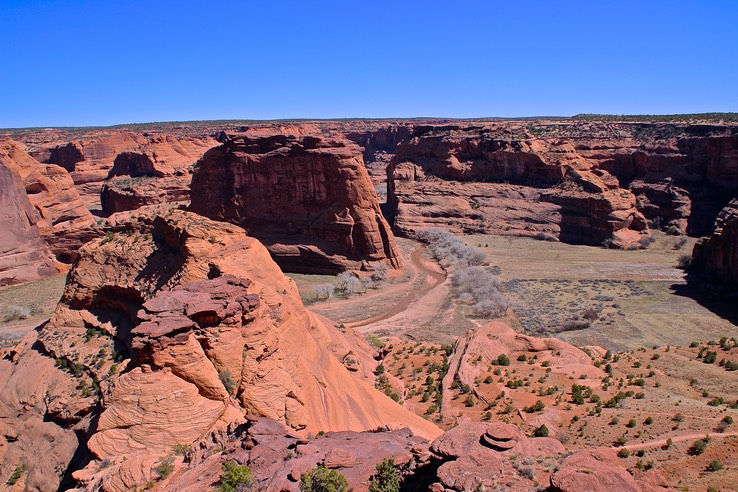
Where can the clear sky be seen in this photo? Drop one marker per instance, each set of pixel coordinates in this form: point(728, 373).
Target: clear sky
point(102, 62)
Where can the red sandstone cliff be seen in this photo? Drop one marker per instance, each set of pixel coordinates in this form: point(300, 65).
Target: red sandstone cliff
point(718, 253)
point(309, 200)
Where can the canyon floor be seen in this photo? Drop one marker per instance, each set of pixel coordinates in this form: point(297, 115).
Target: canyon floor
point(641, 296)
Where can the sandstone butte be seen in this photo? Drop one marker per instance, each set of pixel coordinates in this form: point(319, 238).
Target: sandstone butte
point(308, 199)
point(578, 182)
point(91, 159)
point(166, 333)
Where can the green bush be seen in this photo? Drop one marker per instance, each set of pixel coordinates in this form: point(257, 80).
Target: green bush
point(165, 467)
point(228, 383)
point(17, 473)
point(235, 477)
point(698, 447)
point(623, 453)
point(321, 479)
point(387, 478)
point(541, 431)
point(714, 466)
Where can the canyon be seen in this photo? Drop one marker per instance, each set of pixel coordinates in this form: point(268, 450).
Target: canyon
point(187, 337)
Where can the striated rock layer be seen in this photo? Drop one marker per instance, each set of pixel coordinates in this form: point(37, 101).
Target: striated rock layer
point(167, 332)
point(62, 216)
point(24, 255)
point(581, 182)
point(309, 200)
point(97, 156)
point(718, 253)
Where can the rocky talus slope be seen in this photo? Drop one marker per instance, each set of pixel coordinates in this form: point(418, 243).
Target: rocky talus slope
point(169, 332)
point(309, 200)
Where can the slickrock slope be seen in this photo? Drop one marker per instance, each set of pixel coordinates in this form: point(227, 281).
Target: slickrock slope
point(309, 200)
point(718, 253)
point(584, 182)
point(167, 332)
point(24, 255)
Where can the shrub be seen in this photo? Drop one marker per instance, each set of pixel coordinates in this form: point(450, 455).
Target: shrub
point(235, 478)
point(684, 262)
point(714, 466)
point(17, 473)
point(631, 423)
point(380, 272)
point(537, 407)
point(323, 291)
point(387, 478)
point(16, 313)
point(502, 360)
point(698, 447)
point(321, 479)
point(165, 467)
point(648, 421)
point(228, 383)
point(469, 401)
point(541, 431)
point(623, 453)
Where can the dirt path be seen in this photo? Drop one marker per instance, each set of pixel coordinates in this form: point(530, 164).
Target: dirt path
point(662, 442)
point(435, 278)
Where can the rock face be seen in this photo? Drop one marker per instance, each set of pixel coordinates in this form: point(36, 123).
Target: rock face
point(579, 182)
point(172, 330)
point(265, 446)
point(309, 200)
point(718, 253)
point(587, 207)
point(106, 154)
point(24, 255)
point(51, 191)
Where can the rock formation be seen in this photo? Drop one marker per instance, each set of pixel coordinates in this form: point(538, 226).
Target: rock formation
point(579, 182)
point(489, 341)
point(309, 200)
point(718, 253)
point(587, 207)
point(24, 255)
point(63, 220)
point(99, 155)
point(169, 331)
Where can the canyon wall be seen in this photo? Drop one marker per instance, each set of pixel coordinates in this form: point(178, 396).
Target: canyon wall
point(587, 183)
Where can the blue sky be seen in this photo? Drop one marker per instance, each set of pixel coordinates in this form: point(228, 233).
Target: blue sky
point(69, 63)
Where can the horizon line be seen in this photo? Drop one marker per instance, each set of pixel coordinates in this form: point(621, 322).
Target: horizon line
point(708, 115)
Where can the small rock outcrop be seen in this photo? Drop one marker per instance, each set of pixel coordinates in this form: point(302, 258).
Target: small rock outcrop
point(479, 455)
point(718, 253)
point(309, 200)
